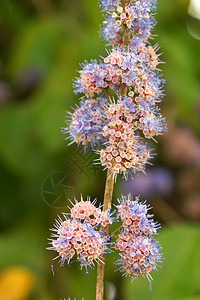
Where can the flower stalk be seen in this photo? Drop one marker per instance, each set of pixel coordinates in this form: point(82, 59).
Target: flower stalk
point(106, 205)
point(126, 34)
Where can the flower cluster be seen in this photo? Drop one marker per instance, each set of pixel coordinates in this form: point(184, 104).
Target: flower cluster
point(139, 255)
point(135, 217)
point(139, 252)
point(86, 123)
point(92, 78)
point(123, 151)
point(79, 234)
point(136, 15)
point(135, 69)
point(130, 72)
point(151, 124)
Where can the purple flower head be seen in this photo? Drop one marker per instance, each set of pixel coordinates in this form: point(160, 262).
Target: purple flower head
point(108, 4)
point(109, 31)
point(152, 124)
point(124, 152)
point(139, 252)
point(91, 78)
point(78, 235)
point(139, 255)
point(86, 123)
point(137, 70)
point(137, 16)
point(134, 216)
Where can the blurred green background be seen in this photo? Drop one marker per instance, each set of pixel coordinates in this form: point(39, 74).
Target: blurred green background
point(41, 46)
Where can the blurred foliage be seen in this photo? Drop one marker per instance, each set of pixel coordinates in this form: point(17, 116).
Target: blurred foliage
point(21, 280)
point(41, 46)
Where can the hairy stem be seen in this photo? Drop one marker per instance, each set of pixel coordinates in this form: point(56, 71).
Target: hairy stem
point(126, 32)
point(106, 204)
point(126, 36)
point(113, 233)
point(106, 90)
